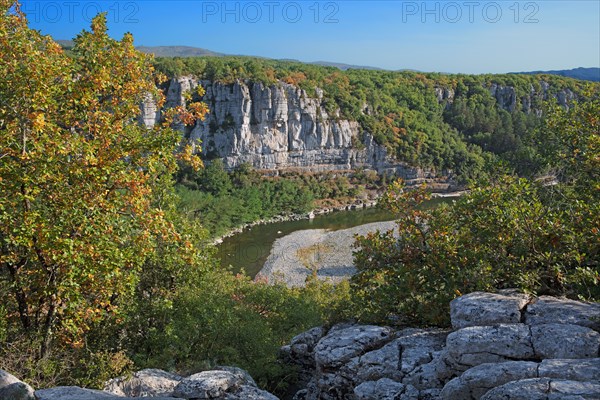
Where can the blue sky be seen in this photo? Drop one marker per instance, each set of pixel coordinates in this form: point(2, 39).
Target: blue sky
point(444, 36)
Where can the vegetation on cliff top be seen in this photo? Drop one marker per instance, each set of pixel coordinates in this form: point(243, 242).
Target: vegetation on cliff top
point(463, 132)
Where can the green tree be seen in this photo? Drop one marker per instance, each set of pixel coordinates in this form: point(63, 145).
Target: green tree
point(80, 209)
point(509, 233)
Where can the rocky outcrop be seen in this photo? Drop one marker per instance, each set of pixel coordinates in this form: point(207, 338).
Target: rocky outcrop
point(508, 99)
point(144, 383)
point(224, 383)
point(277, 127)
point(281, 127)
point(504, 346)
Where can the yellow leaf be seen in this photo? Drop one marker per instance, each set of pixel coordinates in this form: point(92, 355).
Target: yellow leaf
point(39, 121)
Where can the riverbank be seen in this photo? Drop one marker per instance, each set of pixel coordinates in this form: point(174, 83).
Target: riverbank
point(356, 204)
point(315, 252)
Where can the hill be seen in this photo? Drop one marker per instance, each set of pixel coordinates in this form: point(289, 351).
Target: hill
point(585, 74)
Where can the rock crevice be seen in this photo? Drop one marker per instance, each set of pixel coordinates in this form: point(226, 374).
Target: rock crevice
point(503, 345)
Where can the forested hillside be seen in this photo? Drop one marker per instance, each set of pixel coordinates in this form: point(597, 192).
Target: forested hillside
point(462, 125)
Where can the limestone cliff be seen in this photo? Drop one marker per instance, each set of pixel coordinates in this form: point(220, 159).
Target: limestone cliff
point(508, 99)
point(281, 127)
point(277, 127)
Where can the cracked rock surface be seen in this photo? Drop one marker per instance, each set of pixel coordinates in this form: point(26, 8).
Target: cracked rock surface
point(504, 346)
point(224, 383)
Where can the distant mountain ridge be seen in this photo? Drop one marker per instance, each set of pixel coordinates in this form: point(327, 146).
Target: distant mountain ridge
point(586, 74)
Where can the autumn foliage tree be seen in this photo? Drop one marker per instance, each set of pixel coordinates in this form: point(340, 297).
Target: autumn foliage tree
point(80, 203)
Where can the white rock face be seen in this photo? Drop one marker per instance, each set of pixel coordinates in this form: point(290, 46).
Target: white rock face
point(544, 389)
point(7, 379)
point(276, 127)
point(475, 382)
point(574, 370)
point(77, 393)
point(17, 391)
point(207, 385)
point(385, 389)
point(565, 341)
point(227, 383)
point(11, 388)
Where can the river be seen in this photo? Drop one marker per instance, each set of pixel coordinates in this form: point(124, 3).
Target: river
point(249, 250)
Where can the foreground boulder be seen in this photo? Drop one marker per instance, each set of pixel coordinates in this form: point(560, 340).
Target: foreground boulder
point(225, 383)
point(12, 388)
point(144, 383)
point(504, 346)
point(77, 393)
point(545, 388)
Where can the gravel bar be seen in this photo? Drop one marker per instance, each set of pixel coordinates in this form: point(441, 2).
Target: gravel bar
point(294, 257)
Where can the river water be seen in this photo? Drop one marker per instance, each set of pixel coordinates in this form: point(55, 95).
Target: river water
point(249, 250)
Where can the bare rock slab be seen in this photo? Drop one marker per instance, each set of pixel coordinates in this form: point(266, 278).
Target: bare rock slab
point(376, 364)
point(17, 391)
point(7, 379)
point(575, 370)
point(565, 341)
point(11, 388)
point(545, 389)
point(144, 383)
point(480, 308)
point(552, 310)
point(339, 346)
point(77, 393)
point(385, 389)
point(303, 345)
point(475, 382)
point(477, 345)
point(207, 385)
point(246, 392)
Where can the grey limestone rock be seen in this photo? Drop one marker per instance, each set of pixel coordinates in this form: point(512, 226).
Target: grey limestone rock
point(208, 385)
point(11, 388)
point(247, 392)
point(552, 310)
point(77, 393)
point(565, 341)
point(475, 382)
point(476, 345)
point(339, 346)
point(544, 389)
point(17, 391)
point(144, 383)
point(385, 389)
point(7, 378)
point(302, 345)
point(376, 364)
point(574, 370)
point(480, 308)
